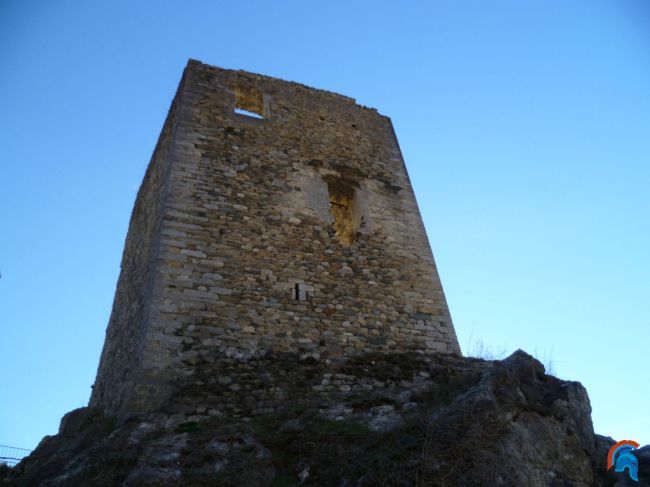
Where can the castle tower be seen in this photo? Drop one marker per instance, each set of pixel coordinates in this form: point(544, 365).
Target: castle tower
point(274, 220)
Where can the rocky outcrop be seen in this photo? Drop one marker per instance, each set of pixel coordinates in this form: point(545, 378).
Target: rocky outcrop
point(443, 422)
point(506, 417)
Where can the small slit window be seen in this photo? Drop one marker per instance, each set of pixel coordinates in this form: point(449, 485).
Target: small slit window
point(250, 102)
point(300, 292)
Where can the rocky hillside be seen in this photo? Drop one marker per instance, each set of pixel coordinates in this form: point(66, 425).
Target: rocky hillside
point(449, 421)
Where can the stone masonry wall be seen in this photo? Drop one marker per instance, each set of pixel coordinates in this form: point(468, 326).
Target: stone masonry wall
point(252, 260)
point(122, 353)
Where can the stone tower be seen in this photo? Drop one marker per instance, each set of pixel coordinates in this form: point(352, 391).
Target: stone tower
point(275, 224)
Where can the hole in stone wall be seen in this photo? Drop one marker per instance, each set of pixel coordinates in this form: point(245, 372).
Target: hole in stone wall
point(249, 102)
point(241, 111)
point(344, 208)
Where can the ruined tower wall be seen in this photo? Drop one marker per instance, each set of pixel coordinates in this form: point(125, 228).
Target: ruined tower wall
point(122, 353)
point(297, 233)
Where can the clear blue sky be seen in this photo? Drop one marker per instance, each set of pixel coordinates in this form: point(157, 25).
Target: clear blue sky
point(525, 126)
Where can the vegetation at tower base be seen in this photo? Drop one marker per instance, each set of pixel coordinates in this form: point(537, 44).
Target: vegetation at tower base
point(440, 421)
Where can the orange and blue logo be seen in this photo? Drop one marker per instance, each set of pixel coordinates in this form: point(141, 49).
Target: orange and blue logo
point(620, 457)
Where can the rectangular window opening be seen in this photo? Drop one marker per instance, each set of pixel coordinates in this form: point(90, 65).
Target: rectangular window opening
point(249, 101)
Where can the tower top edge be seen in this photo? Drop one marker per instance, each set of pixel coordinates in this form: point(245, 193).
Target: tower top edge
point(196, 65)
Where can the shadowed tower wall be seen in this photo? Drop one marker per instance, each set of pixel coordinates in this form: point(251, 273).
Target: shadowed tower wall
point(289, 229)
